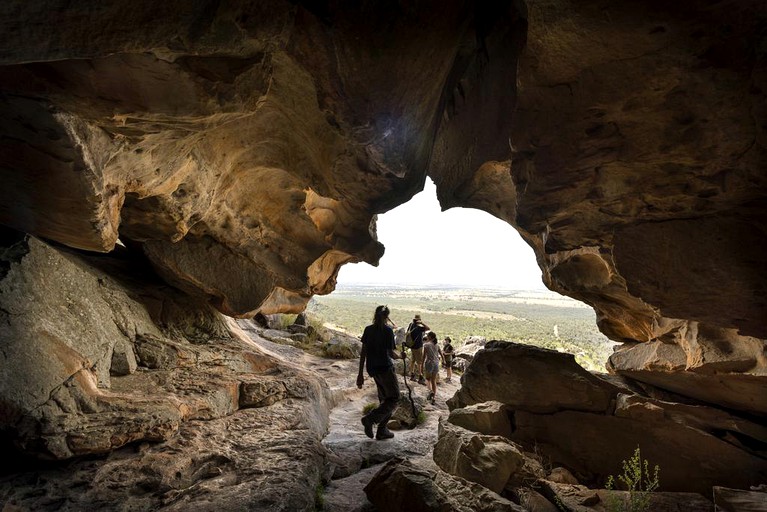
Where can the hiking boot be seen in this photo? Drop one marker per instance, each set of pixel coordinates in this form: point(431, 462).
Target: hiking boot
point(412, 376)
point(384, 433)
point(430, 397)
point(368, 426)
point(421, 380)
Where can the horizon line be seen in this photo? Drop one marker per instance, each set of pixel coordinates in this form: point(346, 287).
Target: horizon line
point(444, 285)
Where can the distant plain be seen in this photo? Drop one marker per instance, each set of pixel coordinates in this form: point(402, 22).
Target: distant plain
point(542, 318)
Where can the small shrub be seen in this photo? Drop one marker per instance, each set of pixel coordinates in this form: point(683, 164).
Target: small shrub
point(319, 497)
point(369, 407)
point(638, 482)
point(420, 418)
point(543, 459)
point(283, 322)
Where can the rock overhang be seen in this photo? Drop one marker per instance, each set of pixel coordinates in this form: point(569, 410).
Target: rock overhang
point(246, 149)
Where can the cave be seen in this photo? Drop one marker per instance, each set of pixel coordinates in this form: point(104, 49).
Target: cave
point(171, 170)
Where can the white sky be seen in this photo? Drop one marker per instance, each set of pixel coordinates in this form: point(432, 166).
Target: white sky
point(462, 246)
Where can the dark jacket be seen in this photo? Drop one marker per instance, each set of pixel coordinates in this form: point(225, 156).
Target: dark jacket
point(378, 341)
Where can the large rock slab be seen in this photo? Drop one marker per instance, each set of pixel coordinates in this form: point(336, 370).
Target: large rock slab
point(401, 485)
point(734, 381)
point(489, 418)
point(59, 397)
point(487, 460)
point(578, 498)
point(738, 500)
point(504, 371)
point(268, 458)
point(594, 445)
point(742, 432)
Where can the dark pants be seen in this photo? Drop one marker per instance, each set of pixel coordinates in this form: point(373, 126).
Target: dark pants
point(388, 395)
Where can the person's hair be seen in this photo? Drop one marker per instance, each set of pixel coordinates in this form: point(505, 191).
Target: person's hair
point(431, 335)
point(380, 316)
point(447, 338)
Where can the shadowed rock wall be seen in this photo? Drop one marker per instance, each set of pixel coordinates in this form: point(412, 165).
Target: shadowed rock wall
point(626, 143)
point(245, 148)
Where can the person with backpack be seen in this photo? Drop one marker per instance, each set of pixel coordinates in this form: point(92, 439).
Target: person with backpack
point(432, 355)
point(447, 357)
point(416, 330)
point(378, 350)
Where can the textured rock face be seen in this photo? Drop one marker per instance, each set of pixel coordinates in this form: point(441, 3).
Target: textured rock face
point(503, 372)
point(401, 485)
point(244, 149)
point(247, 148)
point(66, 321)
point(487, 460)
point(642, 184)
point(598, 424)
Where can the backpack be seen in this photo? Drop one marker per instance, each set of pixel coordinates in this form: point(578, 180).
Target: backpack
point(409, 341)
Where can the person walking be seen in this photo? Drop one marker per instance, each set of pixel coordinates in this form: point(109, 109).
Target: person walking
point(378, 350)
point(432, 356)
point(416, 329)
point(447, 357)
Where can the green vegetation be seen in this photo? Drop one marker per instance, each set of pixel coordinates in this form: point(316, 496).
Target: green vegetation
point(420, 418)
point(369, 407)
point(544, 319)
point(319, 497)
point(638, 482)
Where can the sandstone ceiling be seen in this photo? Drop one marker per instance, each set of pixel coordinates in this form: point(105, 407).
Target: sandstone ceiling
point(246, 147)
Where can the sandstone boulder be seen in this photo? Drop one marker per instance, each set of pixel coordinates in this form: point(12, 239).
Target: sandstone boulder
point(578, 498)
point(489, 418)
point(562, 476)
point(466, 352)
point(403, 416)
point(736, 430)
point(401, 485)
point(533, 501)
point(736, 384)
point(738, 500)
point(67, 403)
point(342, 346)
point(594, 445)
point(487, 460)
point(123, 359)
point(531, 378)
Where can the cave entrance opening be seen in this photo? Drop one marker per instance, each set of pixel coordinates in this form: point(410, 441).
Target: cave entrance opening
point(467, 274)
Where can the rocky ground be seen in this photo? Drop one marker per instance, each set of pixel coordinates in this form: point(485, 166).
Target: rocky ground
point(359, 457)
point(355, 458)
point(262, 458)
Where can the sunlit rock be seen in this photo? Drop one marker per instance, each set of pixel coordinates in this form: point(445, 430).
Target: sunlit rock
point(400, 485)
point(504, 372)
point(488, 460)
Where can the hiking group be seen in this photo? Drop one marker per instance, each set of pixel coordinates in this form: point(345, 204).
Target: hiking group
point(378, 352)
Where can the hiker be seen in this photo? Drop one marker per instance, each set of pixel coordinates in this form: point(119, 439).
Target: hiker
point(447, 357)
point(378, 350)
point(432, 355)
point(416, 330)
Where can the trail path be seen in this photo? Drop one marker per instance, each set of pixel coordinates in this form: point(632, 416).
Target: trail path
point(356, 457)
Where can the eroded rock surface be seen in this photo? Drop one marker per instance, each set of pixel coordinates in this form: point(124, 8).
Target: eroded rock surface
point(203, 418)
point(245, 149)
point(402, 485)
point(693, 444)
